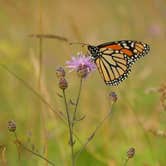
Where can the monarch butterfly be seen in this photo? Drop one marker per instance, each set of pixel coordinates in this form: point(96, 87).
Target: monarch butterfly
point(114, 59)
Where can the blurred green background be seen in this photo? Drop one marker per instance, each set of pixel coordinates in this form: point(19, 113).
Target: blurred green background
point(138, 118)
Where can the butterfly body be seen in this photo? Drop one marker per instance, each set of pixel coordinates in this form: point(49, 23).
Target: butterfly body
point(114, 59)
point(95, 52)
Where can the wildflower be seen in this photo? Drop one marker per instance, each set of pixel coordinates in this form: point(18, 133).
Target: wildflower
point(12, 126)
point(63, 83)
point(131, 153)
point(82, 64)
point(113, 96)
point(60, 72)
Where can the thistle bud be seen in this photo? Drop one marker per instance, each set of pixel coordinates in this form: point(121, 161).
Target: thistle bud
point(131, 153)
point(60, 72)
point(113, 96)
point(12, 126)
point(63, 83)
point(82, 71)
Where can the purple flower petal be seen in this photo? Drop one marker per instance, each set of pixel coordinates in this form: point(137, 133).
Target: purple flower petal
point(81, 60)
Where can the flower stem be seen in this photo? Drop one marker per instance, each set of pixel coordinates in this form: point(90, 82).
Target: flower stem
point(40, 97)
point(126, 161)
point(98, 126)
point(18, 143)
point(71, 142)
point(77, 101)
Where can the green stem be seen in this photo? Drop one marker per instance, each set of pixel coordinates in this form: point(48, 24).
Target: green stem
point(126, 161)
point(29, 150)
point(71, 142)
point(77, 101)
point(35, 92)
point(94, 133)
point(40, 97)
point(56, 113)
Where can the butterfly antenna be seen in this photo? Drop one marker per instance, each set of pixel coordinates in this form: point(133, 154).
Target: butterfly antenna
point(83, 44)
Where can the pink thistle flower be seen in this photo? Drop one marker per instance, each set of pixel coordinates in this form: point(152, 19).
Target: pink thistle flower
point(82, 64)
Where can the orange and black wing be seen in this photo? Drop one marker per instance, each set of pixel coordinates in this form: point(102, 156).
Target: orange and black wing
point(133, 50)
point(116, 59)
point(113, 69)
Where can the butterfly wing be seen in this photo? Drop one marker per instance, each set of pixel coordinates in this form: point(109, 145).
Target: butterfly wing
point(116, 59)
point(113, 69)
point(132, 49)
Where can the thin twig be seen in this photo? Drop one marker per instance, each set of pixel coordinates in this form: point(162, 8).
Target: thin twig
point(18, 142)
point(49, 36)
point(77, 101)
point(93, 133)
point(71, 142)
point(126, 161)
point(34, 92)
point(18, 150)
point(2, 155)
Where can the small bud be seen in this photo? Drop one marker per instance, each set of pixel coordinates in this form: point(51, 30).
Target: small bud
point(82, 71)
point(12, 126)
point(131, 153)
point(60, 72)
point(63, 83)
point(113, 96)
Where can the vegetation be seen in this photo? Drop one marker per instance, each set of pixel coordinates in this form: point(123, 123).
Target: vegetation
point(35, 37)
